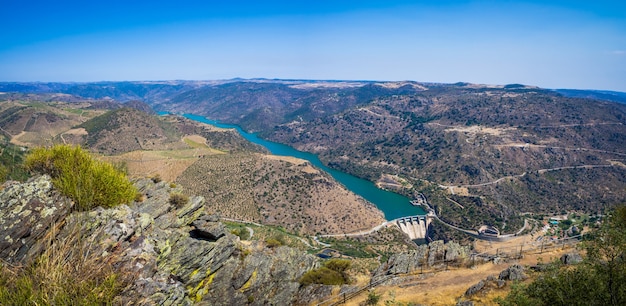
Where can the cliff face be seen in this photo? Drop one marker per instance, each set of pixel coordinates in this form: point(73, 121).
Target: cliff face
point(173, 255)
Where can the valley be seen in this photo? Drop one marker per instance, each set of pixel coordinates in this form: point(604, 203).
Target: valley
point(483, 157)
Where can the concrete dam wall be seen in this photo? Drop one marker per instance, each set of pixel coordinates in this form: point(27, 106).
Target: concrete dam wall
point(416, 227)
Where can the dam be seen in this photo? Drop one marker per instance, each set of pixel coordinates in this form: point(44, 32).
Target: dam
point(416, 227)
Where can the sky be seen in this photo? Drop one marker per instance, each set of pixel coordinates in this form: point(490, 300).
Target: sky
point(551, 44)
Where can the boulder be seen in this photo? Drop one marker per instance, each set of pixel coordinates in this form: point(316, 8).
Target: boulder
point(475, 288)
point(514, 272)
point(571, 258)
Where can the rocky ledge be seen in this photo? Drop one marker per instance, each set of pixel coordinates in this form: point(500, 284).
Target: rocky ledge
point(432, 254)
point(175, 255)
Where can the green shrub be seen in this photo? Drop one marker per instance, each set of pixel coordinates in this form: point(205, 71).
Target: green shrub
point(323, 276)
point(4, 172)
point(178, 199)
point(79, 176)
point(372, 298)
point(273, 242)
point(241, 232)
point(332, 273)
point(339, 265)
point(12, 158)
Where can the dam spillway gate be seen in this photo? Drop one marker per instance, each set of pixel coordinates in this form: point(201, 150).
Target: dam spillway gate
point(416, 227)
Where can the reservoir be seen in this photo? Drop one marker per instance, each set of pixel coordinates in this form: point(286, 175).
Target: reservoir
point(391, 204)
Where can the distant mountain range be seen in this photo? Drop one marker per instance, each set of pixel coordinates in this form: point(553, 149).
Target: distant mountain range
point(606, 95)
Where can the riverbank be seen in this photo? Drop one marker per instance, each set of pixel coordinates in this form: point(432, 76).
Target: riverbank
point(393, 205)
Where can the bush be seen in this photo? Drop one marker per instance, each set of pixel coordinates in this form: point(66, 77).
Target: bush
point(4, 172)
point(372, 298)
point(178, 199)
point(241, 232)
point(139, 197)
point(77, 175)
point(324, 276)
point(332, 273)
point(339, 265)
point(273, 242)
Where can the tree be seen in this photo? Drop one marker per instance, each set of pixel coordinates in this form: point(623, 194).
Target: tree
point(599, 280)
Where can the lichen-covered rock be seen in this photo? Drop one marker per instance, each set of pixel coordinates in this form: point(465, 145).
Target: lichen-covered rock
point(514, 272)
point(208, 229)
point(28, 212)
point(175, 255)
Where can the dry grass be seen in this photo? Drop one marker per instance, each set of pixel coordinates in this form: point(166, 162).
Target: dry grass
point(66, 273)
point(446, 287)
point(168, 164)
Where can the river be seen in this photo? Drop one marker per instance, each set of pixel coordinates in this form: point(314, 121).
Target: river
point(391, 204)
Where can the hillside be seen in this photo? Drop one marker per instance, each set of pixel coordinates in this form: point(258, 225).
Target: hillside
point(205, 160)
point(35, 120)
point(259, 106)
point(127, 129)
point(482, 154)
point(279, 191)
point(495, 152)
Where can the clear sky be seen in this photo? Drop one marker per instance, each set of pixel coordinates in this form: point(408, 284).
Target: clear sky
point(552, 44)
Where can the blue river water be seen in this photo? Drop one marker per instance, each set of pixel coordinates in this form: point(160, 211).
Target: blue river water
point(391, 204)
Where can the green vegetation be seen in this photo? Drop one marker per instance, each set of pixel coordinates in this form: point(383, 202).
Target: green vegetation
point(266, 232)
point(3, 173)
point(380, 244)
point(599, 280)
point(372, 298)
point(99, 123)
point(11, 163)
point(275, 241)
point(334, 272)
point(241, 232)
point(76, 174)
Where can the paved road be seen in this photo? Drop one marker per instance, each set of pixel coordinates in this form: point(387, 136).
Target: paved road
point(540, 171)
point(361, 233)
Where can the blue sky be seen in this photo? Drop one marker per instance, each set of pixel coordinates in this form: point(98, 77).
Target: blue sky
point(552, 44)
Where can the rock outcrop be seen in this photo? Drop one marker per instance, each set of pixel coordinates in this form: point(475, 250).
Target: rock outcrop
point(434, 253)
point(475, 288)
point(571, 258)
point(175, 256)
point(28, 212)
point(514, 272)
